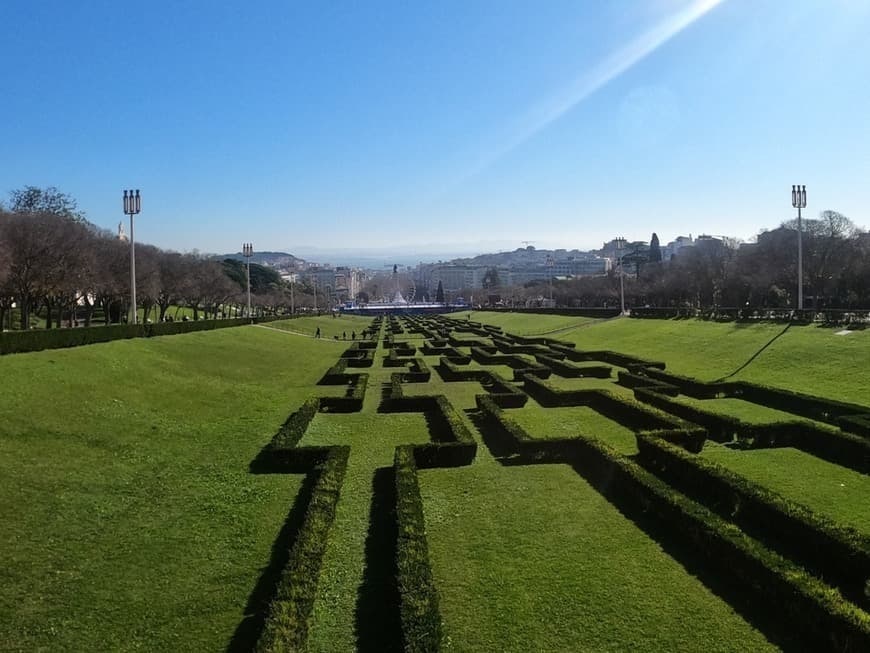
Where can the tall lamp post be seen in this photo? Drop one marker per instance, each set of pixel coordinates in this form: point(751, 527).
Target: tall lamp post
point(132, 206)
point(550, 264)
point(620, 246)
point(799, 201)
point(248, 252)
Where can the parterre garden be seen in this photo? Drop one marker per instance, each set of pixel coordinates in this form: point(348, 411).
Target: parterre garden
point(435, 484)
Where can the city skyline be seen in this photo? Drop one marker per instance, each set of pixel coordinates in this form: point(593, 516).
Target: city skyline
point(438, 128)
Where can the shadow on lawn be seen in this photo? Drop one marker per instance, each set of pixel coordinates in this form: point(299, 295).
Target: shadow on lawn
point(251, 627)
point(378, 627)
point(755, 355)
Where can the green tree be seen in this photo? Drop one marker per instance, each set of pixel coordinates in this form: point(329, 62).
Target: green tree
point(439, 294)
point(655, 250)
point(491, 279)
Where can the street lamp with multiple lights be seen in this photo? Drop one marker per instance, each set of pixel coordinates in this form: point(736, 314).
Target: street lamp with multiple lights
point(248, 252)
point(132, 206)
point(550, 264)
point(799, 201)
point(620, 246)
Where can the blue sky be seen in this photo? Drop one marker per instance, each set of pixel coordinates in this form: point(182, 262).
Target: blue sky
point(438, 126)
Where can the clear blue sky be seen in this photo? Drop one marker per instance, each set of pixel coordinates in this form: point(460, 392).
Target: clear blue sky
point(371, 124)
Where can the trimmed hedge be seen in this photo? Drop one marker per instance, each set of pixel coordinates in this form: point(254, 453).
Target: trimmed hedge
point(286, 627)
point(839, 554)
point(19, 342)
point(418, 599)
point(631, 381)
point(816, 408)
point(335, 375)
point(689, 386)
point(352, 401)
point(721, 428)
point(604, 356)
point(294, 427)
point(569, 370)
point(631, 414)
point(813, 607)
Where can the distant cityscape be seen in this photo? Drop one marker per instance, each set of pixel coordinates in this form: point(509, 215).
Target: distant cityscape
point(514, 268)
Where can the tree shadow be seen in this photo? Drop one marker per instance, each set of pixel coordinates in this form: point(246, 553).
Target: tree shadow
point(378, 626)
point(755, 355)
point(248, 631)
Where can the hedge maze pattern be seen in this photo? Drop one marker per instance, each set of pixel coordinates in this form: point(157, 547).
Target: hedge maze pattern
point(809, 573)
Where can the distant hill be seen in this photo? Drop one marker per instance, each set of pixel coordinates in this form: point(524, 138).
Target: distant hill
point(271, 259)
point(521, 257)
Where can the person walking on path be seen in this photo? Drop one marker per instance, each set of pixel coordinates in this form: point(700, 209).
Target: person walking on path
point(317, 333)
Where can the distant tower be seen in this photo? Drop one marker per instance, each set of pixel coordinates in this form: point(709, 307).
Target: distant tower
point(122, 235)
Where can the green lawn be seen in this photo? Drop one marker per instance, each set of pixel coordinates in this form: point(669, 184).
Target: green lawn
point(329, 326)
point(130, 520)
point(831, 490)
point(534, 559)
point(525, 324)
point(809, 359)
point(570, 421)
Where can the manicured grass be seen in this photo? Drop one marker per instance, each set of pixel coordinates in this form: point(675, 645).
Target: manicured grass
point(534, 559)
point(740, 409)
point(569, 421)
point(525, 324)
point(130, 519)
point(831, 490)
point(329, 326)
point(808, 359)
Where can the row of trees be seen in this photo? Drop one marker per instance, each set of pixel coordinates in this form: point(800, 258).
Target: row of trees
point(716, 273)
point(56, 264)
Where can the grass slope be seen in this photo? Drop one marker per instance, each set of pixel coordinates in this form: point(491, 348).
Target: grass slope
point(525, 324)
point(807, 359)
point(130, 519)
point(329, 326)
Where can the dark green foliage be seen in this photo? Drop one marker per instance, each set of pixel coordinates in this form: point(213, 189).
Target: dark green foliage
point(817, 408)
point(812, 606)
point(418, 599)
point(629, 380)
point(569, 370)
point(839, 554)
point(721, 428)
point(858, 424)
point(294, 427)
point(335, 375)
point(286, 628)
point(604, 356)
point(352, 401)
point(24, 341)
point(418, 372)
point(263, 279)
point(689, 386)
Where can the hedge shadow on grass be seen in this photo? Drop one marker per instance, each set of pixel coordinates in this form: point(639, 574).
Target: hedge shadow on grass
point(378, 626)
point(249, 630)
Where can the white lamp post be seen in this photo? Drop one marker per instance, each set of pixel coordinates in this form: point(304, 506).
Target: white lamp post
point(620, 246)
point(248, 252)
point(132, 206)
point(799, 201)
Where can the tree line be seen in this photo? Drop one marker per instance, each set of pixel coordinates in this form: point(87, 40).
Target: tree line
point(716, 273)
point(58, 266)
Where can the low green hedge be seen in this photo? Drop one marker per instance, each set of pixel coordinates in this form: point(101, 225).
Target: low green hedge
point(352, 401)
point(629, 413)
point(689, 386)
point(294, 427)
point(837, 553)
point(813, 607)
point(569, 370)
point(631, 381)
point(721, 428)
point(18, 342)
point(286, 627)
point(857, 424)
point(604, 356)
point(418, 598)
point(816, 408)
point(335, 375)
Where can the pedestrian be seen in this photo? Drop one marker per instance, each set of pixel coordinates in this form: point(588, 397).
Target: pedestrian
point(344, 335)
point(317, 333)
point(353, 335)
